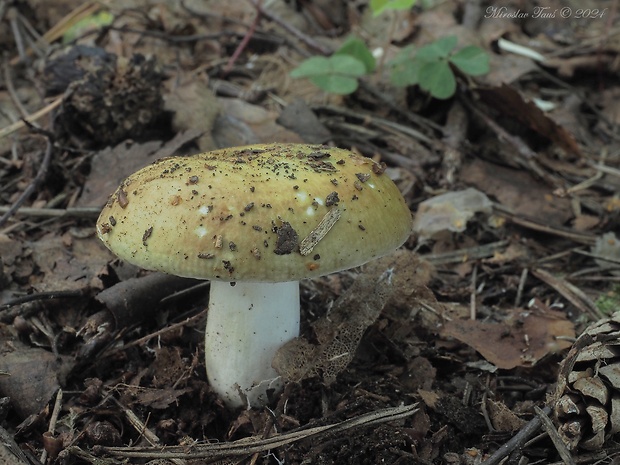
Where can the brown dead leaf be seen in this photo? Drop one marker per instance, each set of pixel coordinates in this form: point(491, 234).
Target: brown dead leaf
point(168, 366)
point(160, 398)
point(67, 266)
point(502, 418)
point(194, 106)
point(113, 164)
point(298, 117)
point(31, 375)
point(585, 222)
point(513, 252)
point(530, 337)
point(430, 398)
point(567, 67)
point(411, 275)
point(10, 251)
point(420, 374)
point(519, 191)
point(242, 123)
point(513, 105)
point(506, 69)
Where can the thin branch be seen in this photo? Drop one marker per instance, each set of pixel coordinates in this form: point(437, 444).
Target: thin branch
point(309, 41)
point(517, 440)
point(32, 187)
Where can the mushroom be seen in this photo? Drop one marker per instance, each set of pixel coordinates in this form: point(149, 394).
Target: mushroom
point(254, 220)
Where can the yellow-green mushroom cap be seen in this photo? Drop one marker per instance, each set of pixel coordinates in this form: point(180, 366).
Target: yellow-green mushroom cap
point(260, 213)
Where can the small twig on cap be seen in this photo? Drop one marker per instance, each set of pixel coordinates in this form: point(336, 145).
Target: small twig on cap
point(318, 233)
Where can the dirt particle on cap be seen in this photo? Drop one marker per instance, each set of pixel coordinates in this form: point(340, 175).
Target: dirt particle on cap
point(121, 196)
point(146, 235)
point(287, 241)
point(256, 253)
point(193, 180)
point(105, 228)
point(312, 266)
point(232, 246)
point(217, 242)
point(112, 221)
point(379, 168)
point(249, 206)
point(363, 177)
point(228, 266)
point(205, 255)
point(318, 155)
point(332, 199)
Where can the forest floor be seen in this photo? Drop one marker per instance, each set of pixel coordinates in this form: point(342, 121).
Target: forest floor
point(513, 178)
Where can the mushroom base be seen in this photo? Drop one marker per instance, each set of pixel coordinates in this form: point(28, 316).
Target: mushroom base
point(246, 324)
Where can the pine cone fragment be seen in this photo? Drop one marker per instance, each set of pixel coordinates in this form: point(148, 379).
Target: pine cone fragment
point(587, 397)
point(108, 98)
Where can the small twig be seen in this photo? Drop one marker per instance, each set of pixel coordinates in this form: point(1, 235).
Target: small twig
point(167, 329)
point(143, 429)
point(249, 446)
point(79, 13)
point(12, 92)
point(472, 295)
point(522, 279)
point(246, 39)
point(517, 440)
point(309, 41)
point(35, 116)
point(19, 42)
point(485, 410)
point(139, 425)
point(51, 295)
point(536, 225)
point(74, 212)
point(9, 446)
point(547, 425)
point(570, 292)
point(327, 222)
point(471, 253)
point(32, 187)
point(53, 420)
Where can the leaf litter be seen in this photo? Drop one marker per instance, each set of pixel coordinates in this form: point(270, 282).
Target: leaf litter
point(469, 320)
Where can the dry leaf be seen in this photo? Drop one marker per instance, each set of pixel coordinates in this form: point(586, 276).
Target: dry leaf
point(523, 343)
point(514, 105)
point(502, 418)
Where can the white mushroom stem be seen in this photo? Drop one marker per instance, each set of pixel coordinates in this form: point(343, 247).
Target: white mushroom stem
point(246, 324)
